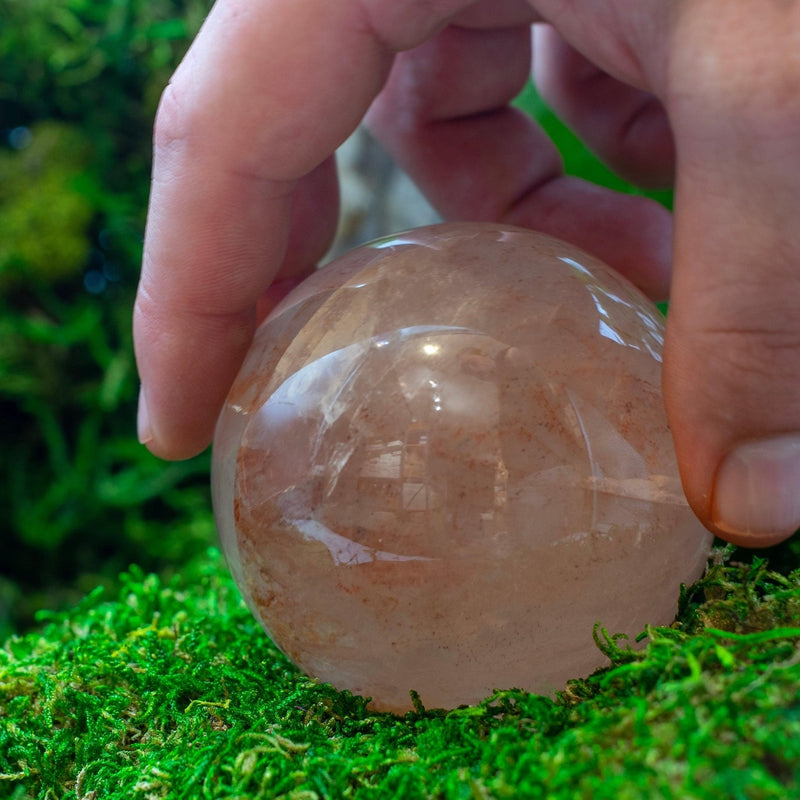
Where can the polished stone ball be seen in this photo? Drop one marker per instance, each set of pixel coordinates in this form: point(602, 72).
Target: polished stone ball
point(445, 459)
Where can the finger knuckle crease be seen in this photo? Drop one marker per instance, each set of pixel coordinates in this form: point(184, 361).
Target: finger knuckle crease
point(172, 124)
point(757, 350)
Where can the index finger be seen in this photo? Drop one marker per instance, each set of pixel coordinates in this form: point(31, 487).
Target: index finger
point(266, 93)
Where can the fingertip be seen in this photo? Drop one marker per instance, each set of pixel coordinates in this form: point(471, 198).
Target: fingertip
point(177, 448)
point(749, 541)
point(143, 428)
point(756, 495)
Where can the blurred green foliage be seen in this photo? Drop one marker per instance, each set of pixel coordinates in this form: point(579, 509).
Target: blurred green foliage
point(80, 498)
point(47, 241)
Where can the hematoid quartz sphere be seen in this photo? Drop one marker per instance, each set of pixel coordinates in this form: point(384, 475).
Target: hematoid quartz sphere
point(445, 459)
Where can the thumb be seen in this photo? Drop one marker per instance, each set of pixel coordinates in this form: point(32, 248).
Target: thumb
point(732, 356)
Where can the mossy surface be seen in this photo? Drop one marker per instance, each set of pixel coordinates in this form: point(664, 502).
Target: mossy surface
point(171, 690)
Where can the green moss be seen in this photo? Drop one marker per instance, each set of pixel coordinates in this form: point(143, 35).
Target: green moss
point(171, 690)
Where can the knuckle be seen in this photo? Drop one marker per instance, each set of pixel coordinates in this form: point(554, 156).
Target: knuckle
point(173, 123)
point(771, 353)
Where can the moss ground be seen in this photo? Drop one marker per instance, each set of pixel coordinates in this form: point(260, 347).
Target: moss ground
point(170, 690)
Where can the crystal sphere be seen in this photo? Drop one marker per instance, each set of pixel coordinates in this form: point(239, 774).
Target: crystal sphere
point(446, 458)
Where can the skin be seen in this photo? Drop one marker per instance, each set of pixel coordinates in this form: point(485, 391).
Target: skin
point(702, 94)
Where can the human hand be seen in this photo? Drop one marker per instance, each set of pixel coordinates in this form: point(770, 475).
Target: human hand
point(244, 194)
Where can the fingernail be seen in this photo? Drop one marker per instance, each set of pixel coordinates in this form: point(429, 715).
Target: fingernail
point(757, 491)
point(143, 428)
